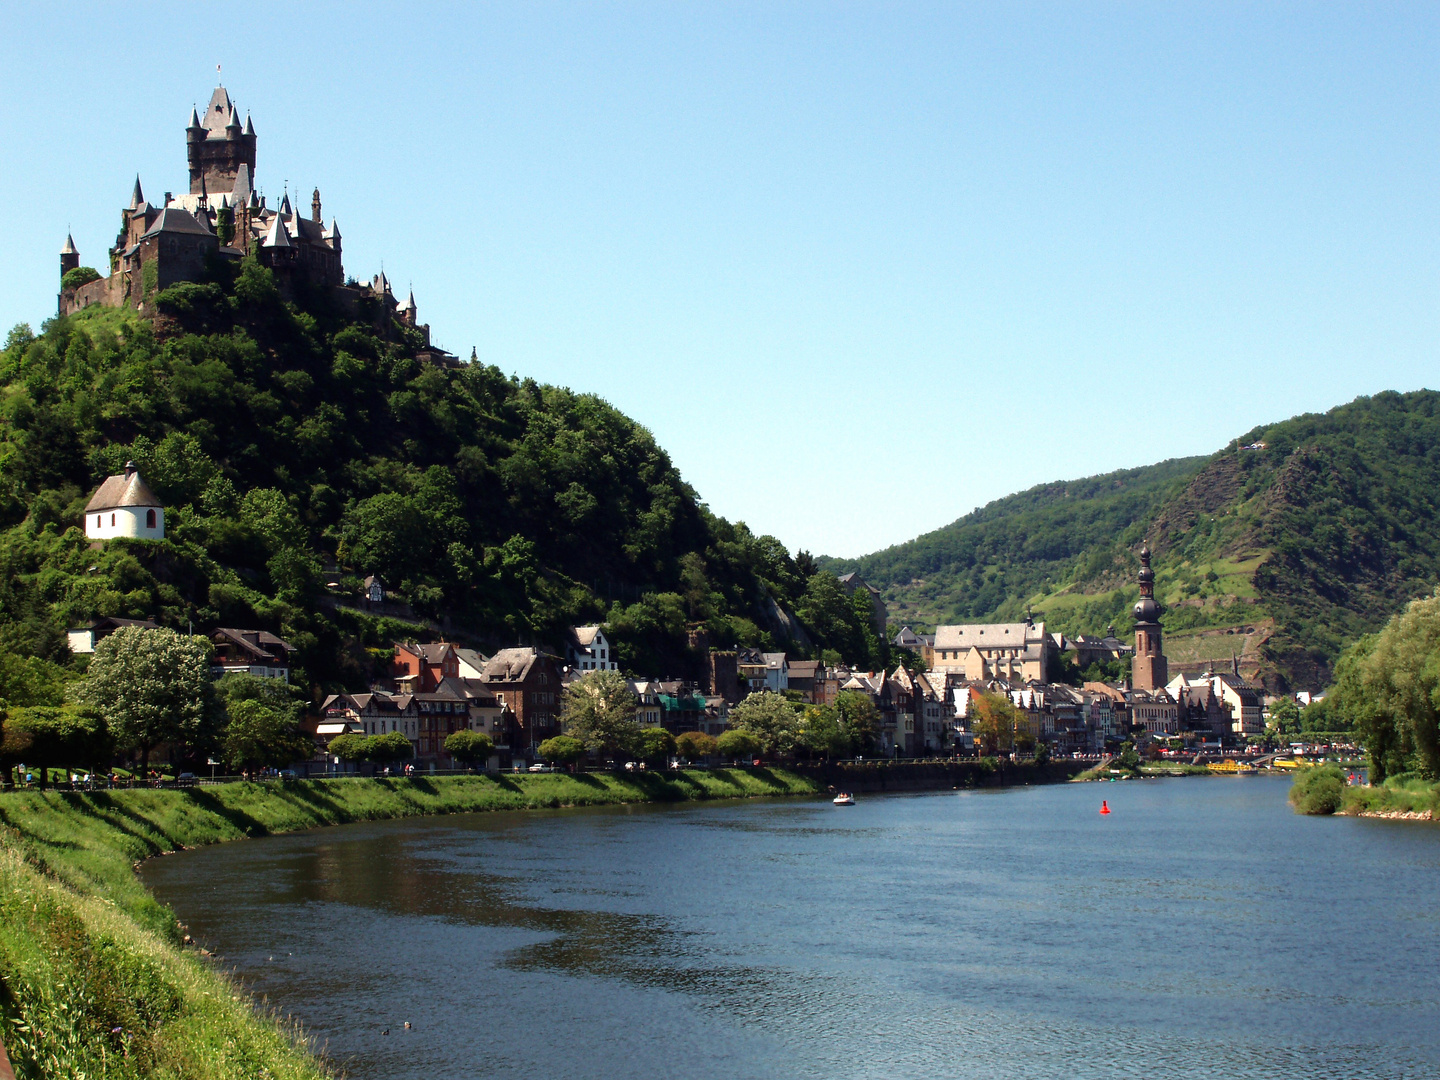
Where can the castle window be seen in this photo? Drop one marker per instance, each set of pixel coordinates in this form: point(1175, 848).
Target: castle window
point(150, 519)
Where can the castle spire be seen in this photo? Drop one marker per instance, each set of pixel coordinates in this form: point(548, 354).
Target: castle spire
point(315, 206)
point(249, 127)
point(137, 196)
point(69, 248)
point(194, 124)
point(285, 204)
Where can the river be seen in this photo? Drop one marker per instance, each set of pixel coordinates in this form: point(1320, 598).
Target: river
point(1200, 930)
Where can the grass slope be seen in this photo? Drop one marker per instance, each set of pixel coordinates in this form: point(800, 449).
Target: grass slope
point(93, 984)
point(1281, 556)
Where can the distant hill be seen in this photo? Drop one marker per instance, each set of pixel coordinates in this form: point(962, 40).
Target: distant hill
point(300, 446)
point(1278, 556)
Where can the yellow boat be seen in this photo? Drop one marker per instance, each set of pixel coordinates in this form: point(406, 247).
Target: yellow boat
point(1230, 768)
point(1289, 763)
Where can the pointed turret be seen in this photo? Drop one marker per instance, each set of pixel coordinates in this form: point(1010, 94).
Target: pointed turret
point(241, 192)
point(285, 204)
point(137, 196)
point(249, 127)
point(69, 257)
point(315, 206)
point(277, 237)
point(194, 124)
point(232, 126)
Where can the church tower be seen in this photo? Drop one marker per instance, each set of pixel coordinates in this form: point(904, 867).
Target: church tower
point(1149, 670)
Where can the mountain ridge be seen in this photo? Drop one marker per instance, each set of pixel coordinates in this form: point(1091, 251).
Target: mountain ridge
point(1296, 548)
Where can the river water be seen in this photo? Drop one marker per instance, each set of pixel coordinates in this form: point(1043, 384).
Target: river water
point(1200, 930)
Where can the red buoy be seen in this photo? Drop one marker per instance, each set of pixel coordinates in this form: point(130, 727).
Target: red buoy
point(1104, 807)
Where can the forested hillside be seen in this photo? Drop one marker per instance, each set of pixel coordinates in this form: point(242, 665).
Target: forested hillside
point(1279, 556)
point(299, 448)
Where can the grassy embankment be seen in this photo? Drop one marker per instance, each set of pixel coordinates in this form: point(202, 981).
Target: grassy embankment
point(92, 982)
point(1323, 790)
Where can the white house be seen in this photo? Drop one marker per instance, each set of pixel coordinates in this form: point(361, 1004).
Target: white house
point(587, 650)
point(124, 506)
point(777, 672)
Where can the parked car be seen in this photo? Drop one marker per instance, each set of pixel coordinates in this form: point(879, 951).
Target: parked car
point(540, 766)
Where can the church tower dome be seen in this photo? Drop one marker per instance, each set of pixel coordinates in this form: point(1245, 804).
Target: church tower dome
point(1149, 669)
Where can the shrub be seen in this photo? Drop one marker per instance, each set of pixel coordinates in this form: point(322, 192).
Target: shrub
point(350, 748)
point(1319, 790)
point(81, 275)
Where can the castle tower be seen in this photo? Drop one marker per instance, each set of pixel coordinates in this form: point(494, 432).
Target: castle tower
point(315, 206)
point(1149, 671)
point(69, 257)
point(216, 146)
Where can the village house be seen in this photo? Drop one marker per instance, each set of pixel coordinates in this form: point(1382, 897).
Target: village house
point(83, 639)
point(803, 676)
point(528, 684)
point(253, 652)
point(853, 582)
point(587, 649)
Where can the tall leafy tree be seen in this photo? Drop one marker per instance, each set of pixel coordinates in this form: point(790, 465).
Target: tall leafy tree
point(771, 719)
point(599, 710)
point(260, 736)
point(153, 686)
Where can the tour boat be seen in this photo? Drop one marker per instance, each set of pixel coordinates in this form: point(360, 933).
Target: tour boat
point(844, 799)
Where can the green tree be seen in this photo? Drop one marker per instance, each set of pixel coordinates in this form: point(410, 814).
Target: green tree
point(995, 723)
point(469, 747)
point(153, 686)
point(392, 746)
point(46, 737)
point(820, 733)
point(80, 275)
point(657, 745)
point(695, 744)
point(561, 750)
point(599, 710)
point(260, 736)
point(352, 747)
point(771, 719)
point(1388, 684)
point(859, 719)
point(1284, 718)
point(738, 743)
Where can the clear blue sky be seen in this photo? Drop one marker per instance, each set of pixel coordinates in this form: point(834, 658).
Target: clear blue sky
point(858, 267)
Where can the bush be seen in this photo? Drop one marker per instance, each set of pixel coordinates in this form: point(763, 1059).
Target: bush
point(81, 275)
point(695, 744)
point(470, 746)
point(1320, 790)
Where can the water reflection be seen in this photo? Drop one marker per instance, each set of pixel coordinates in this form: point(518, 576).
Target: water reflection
point(986, 934)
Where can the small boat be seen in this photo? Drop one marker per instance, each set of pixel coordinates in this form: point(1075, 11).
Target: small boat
point(844, 799)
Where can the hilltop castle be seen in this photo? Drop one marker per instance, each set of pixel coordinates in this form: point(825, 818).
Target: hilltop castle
point(222, 217)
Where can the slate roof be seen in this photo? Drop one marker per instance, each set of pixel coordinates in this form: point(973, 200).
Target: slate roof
point(174, 220)
point(124, 489)
point(260, 644)
point(988, 636)
point(217, 113)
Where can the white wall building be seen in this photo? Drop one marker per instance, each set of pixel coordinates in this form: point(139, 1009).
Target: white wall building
point(124, 506)
point(587, 650)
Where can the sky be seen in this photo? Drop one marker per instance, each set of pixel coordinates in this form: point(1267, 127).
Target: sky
point(860, 268)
